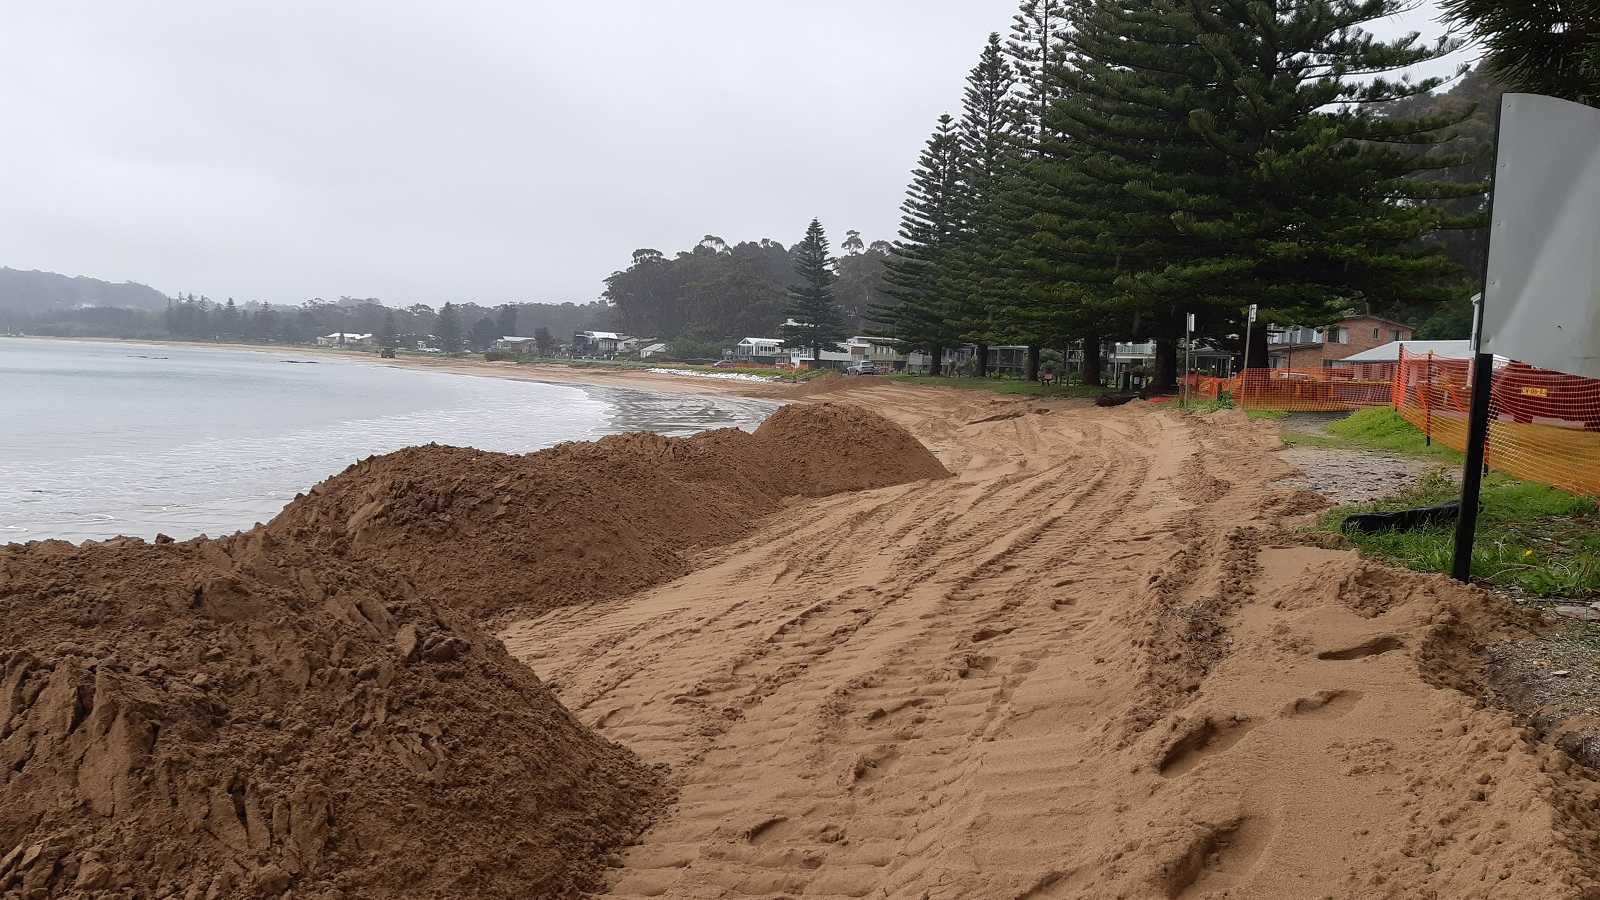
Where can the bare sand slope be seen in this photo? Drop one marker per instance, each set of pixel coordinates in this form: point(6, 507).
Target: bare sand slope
point(1087, 666)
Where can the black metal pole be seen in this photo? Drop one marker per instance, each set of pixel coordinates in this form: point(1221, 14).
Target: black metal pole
point(1472, 471)
point(1478, 414)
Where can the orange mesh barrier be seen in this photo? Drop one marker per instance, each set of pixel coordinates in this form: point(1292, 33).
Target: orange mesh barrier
point(1210, 387)
point(1544, 426)
point(1309, 390)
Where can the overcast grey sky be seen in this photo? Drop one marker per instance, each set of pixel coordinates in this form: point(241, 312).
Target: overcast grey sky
point(484, 150)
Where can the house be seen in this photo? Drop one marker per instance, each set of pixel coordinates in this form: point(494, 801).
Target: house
point(514, 344)
point(801, 358)
point(595, 343)
point(345, 339)
point(631, 345)
point(660, 348)
point(885, 353)
point(1297, 347)
point(953, 359)
point(1379, 363)
point(1133, 365)
point(759, 351)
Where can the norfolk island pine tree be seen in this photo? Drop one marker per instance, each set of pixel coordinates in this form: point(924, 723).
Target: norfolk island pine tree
point(815, 321)
point(1217, 159)
point(921, 312)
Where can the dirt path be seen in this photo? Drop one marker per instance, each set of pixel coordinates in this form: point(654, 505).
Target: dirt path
point(1082, 667)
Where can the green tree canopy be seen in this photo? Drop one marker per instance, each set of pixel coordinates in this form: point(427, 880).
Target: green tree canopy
point(1541, 46)
point(814, 322)
point(921, 312)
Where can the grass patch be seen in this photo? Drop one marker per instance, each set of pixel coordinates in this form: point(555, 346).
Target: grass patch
point(1201, 407)
point(1381, 428)
point(1373, 428)
point(1009, 386)
point(1539, 540)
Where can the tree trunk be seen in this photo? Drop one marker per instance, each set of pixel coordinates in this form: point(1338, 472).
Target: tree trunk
point(983, 360)
point(1166, 366)
point(1091, 358)
point(936, 355)
point(1030, 369)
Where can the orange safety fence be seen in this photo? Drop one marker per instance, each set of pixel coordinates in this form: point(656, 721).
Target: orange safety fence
point(1295, 390)
point(1544, 426)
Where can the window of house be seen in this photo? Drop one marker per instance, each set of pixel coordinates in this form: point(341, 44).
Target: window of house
point(1341, 335)
point(1375, 333)
point(1399, 335)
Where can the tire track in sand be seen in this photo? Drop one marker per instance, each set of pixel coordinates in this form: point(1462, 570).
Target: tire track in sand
point(1078, 668)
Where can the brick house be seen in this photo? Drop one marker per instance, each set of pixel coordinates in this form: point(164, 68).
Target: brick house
point(1317, 348)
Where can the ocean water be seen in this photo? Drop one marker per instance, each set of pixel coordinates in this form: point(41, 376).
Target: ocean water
point(99, 439)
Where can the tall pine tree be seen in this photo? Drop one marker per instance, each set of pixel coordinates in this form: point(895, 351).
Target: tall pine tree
point(922, 314)
point(987, 139)
point(1228, 154)
point(815, 322)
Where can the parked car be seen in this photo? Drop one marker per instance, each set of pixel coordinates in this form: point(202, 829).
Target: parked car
point(724, 364)
point(862, 368)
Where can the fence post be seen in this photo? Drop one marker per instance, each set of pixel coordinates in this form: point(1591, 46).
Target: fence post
point(1472, 470)
point(1427, 405)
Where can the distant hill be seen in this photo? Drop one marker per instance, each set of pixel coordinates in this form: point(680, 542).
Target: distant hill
point(32, 292)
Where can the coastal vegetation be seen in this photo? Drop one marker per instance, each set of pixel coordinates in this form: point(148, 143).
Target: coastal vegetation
point(1119, 165)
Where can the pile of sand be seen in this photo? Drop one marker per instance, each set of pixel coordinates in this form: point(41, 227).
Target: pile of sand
point(490, 531)
point(245, 717)
point(311, 708)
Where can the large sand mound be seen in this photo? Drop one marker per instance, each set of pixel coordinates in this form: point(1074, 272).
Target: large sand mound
point(242, 717)
point(491, 531)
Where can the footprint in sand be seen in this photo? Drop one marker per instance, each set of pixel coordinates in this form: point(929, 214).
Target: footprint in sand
point(1219, 857)
point(1371, 647)
point(1323, 704)
point(1197, 739)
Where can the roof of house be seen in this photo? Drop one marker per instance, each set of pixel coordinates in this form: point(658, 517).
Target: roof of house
point(657, 347)
point(756, 340)
point(513, 338)
point(599, 335)
point(1375, 319)
point(348, 335)
point(1390, 352)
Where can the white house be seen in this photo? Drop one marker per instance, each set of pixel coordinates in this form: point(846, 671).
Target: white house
point(800, 357)
point(759, 350)
point(657, 349)
point(514, 344)
point(345, 339)
point(595, 343)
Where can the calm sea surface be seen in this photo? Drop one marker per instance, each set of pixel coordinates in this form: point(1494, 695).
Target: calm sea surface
point(101, 439)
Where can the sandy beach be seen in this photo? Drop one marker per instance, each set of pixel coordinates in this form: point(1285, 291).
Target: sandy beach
point(898, 642)
point(1095, 663)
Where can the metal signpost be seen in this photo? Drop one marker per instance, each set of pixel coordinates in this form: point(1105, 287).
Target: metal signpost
point(1188, 355)
point(1541, 280)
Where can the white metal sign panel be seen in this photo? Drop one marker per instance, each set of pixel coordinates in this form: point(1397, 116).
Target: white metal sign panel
point(1541, 304)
